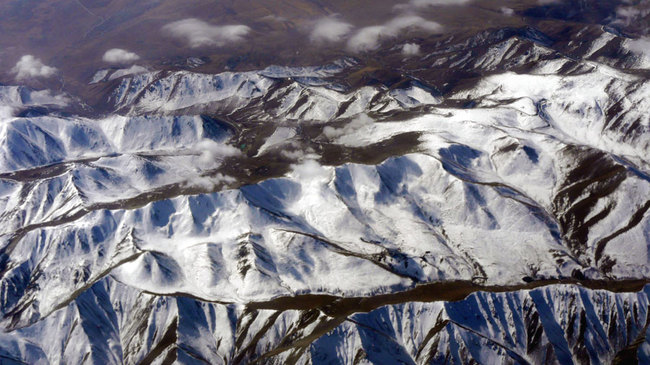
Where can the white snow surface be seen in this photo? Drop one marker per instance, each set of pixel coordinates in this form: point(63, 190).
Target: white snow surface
point(474, 202)
point(308, 96)
point(481, 198)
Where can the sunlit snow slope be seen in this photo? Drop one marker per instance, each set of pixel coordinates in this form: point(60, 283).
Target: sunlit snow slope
point(288, 216)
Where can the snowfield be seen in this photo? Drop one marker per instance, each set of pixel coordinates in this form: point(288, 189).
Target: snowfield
point(146, 235)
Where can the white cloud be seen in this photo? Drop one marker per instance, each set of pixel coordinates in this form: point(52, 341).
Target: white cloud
point(640, 46)
point(298, 153)
point(310, 171)
point(629, 15)
point(627, 12)
point(293, 155)
point(14, 100)
point(46, 97)
point(369, 38)
point(198, 33)
point(6, 112)
point(412, 21)
point(411, 49)
point(212, 152)
point(117, 55)
point(507, 11)
point(209, 183)
point(357, 123)
point(329, 29)
point(28, 66)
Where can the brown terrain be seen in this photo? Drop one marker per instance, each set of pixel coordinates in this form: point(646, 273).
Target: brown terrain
point(72, 35)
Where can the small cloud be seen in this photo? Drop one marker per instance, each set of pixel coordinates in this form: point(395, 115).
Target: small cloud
point(629, 15)
point(369, 38)
point(357, 123)
point(297, 152)
point(412, 22)
point(329, 29)
point(28, 67)
point(6, 112)
point(292, 155)
point(46, 97)
point(411, 49)
point(209, 183)
point(211, 151)
point(117, 55)
point(639, 46)
point(15, 101)
point(507, 11)
point(198, 33)
point(310, 171)
point(628, 12)
point(548, 2)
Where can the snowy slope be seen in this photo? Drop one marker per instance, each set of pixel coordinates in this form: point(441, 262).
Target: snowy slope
point(559, 324)
point(276, 92)
point(285, 216)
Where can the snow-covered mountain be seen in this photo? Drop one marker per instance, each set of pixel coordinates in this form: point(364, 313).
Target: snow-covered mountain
point(324, 215)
